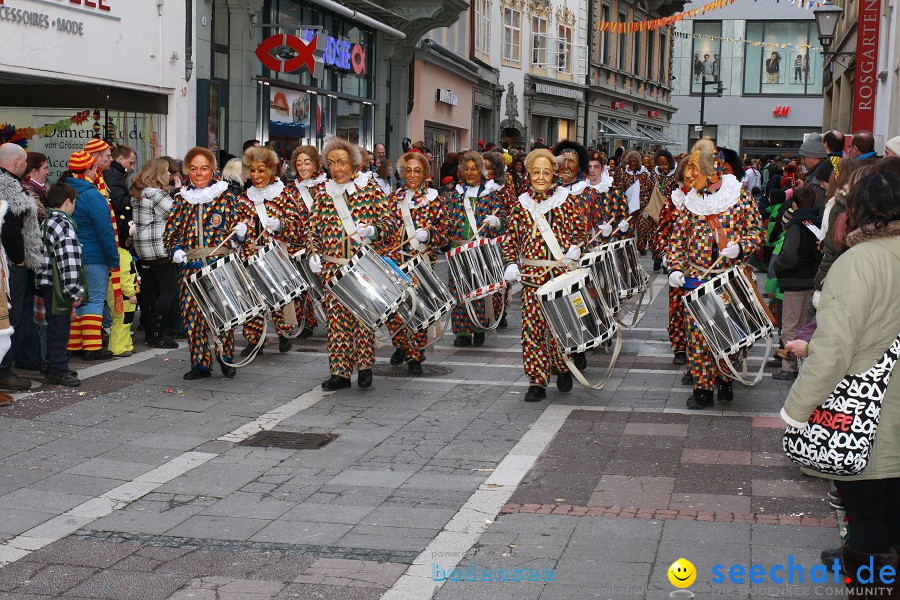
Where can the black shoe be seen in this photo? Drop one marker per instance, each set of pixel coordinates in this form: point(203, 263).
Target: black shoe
point(306, 333)
point(96, 355)
point(687, 378)
point(74, 353)
point(829, 556)
point(227, 371)
point(364, 379)
point(68, 380)
point(700, 399)
point(579, 359)
point(285, 344)
point(32, 366)
point(478, 338)
point(249, 350)
point(162, 342)
point(564, 382)
point(415, 367)
point(398, 357)
point(178, 335)
point(535, 394)
point(197, 373)
point(462, 341)
point(14, 383)
point(336, 382)
point(643, 252)
point(726, 394)
point(657, 264)
point(503, 324)
point(680, 358)
point(785, 375)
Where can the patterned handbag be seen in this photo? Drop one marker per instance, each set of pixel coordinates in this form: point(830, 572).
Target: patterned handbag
point(838, 436)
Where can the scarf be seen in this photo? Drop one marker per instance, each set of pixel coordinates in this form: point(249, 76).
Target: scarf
point(100, 183)
point(115, 276)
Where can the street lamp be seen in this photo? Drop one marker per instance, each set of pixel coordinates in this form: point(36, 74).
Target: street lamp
point(827, 16)
point(719, 90)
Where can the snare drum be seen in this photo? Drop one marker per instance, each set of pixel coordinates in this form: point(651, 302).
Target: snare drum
point(631, 277)
point(574, 306)
point(226, 294)
point(600, 261)
point(370, 288)
point(434, 299)
point(275, 275)
point(729, 314)
point(477, 268)
point(313, 281)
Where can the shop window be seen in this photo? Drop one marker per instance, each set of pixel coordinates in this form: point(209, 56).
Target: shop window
point(772, 68)
point(482, 26)
point(563, 47)
point(651, 54)
point(663, 68)
point(539, 42)
point(512, 34)
point(620, 45)
point(636, 66)
point(707, 53)
point(772, 141)
point(710, 131)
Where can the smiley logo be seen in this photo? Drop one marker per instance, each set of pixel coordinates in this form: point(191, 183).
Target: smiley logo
point(682, 573)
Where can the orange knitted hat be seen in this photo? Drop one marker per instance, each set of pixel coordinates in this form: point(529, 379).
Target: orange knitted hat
point(81, 160)
point(95, 145)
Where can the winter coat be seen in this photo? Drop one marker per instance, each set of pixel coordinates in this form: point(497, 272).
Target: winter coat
point(830, 252)
point(119, 197)
point(150, 215)
point(817, 179)
point(798, 261)
point(95, 230)
point(858, 319)
point(20, 232)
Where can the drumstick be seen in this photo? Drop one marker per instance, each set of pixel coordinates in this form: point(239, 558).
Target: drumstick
point(478, 228)
point(225, 241)
point(596, 235)
point(712, 267)
point(404, 240)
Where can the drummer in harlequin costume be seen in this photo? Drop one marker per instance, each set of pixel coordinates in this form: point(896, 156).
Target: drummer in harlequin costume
point(349, 210)
point(663, 176)
point(547, 226)
point(270, 215)
point(308, 165)
point(719, 221)
point(421, 213)
point(633, 171)
point(203, 215)
point(495, 170)
point(473, 206)
point(610, 213)
point(667, 216)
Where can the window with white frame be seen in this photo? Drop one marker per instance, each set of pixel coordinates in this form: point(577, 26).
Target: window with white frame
point(539, 42)
point(512, 34)
point(563, 46)
point(604, 47)
point(482, 26)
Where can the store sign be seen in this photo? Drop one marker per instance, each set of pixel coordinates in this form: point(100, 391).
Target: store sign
point(29, 18)
point(447, 97)
point(781, 111)
point(866, 65)
point(342, 54)
point(555, 90)
point(285, 53)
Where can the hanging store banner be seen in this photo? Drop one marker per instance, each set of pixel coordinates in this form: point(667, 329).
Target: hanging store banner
point(864, 84)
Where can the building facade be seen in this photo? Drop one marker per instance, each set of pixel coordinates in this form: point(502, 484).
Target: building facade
point(773, 87)
point(120, 70)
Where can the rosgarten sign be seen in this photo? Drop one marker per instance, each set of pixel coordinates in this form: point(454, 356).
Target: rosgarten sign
point(865, 81)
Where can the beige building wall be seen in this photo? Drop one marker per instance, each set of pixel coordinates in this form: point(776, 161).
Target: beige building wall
point(427, 79)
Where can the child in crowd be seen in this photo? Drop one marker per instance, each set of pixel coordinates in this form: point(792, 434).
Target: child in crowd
point(120, 342)
point(61, 254)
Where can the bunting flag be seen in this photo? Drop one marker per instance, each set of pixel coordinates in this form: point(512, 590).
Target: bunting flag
point(654, 24)
point(755, 43)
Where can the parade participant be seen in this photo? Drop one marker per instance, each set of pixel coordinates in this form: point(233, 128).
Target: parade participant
point(719, 227)
point(474, 208)
point(269, 214)
point(204, 213)
point(611, 206)
point(349, 210)
point(631, 172)
point(664, 179)
point(308, 165)
point(545, 220)
point(495, 170)
point(421, 212)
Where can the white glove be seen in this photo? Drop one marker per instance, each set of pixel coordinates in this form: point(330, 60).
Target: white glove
point(732, 250)
point(273, 224)
point(132, 229)
point(240, 230)
point(606, 230)
point(574, 253)
point(365, 231)
point(179, 256)
point(676, 279)
point(815, 299)
point(511, 273)
point(624, 226)
point(493, 221)
point(315, 263)
point(665, 262)
point(421, 235)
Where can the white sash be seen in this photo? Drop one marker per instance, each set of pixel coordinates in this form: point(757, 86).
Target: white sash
point(307, 198)
point(261, 213)
point(470, 213)
point(408, 224)
point(340, 204)
point(549, 237)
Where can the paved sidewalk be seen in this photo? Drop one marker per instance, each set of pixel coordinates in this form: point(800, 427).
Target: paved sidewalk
point(138, 484)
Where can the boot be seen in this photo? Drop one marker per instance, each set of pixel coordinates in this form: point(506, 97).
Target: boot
point(851, 561)
point(503, 324)
point(336, 382)
point(285, 344)
point(680, 358)
point(700, 399)
point(726, 394)
point(306, 333)
point(535, 394)
point(687, 378)
point(197, 373)
point(564, 382)
point(462, 341)
point(364, 379)
point(155, 337)
point(580, 361)
point(398, 357)
point(478, 338)
point(227, 372)
point(415, 367)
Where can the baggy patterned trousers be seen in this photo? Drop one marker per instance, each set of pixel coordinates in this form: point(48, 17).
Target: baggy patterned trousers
point(677, 334)
point(254, 327)
point(540, 351)
point(405, 342)
point(703, 365)
point(462, 324)
point(197, 329)
point(350, 343)
point(644, 227)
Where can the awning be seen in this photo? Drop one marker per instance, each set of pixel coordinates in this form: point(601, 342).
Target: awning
point(612, 129)
point(656, 137)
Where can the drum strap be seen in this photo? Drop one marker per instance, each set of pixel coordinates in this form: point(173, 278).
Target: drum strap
point(260, 208)
point(195, 253)
point(408, 224)
point(343, 211)
point(549, 237)
point(335, 259)
point(539, 263)
point(703, 269)
point(307, 198)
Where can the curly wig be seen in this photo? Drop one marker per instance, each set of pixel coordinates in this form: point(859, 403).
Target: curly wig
point(471, 155)
point(194, 153)
point(337, 143)
point(417, 156)
point(261, 154)
point(309, 151)
point(498, 165)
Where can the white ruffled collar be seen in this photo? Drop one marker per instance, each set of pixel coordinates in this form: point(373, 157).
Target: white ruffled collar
point(259, 195)
point(207, 194)
point(643, 169)
point(658, 172)
point(490, 187)
point(310, 183)
point(429, 196)
point(606, 182)
point(717, 202)
point(363, 178)
point(577, 187)
point(678, 198)
point(558, 198)
point(335, 189)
